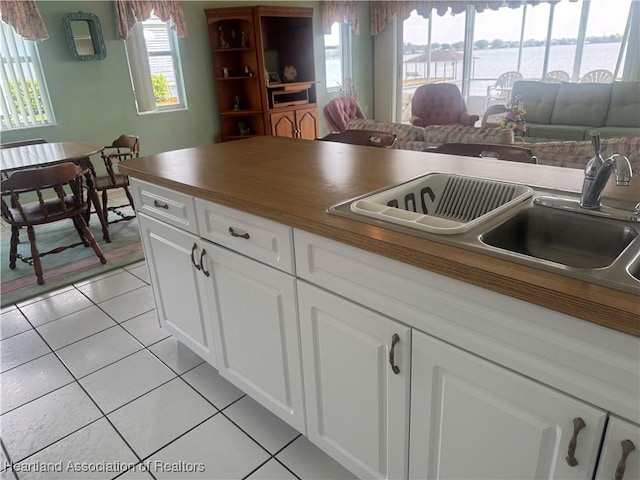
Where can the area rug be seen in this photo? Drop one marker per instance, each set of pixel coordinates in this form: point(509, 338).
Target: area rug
point(70, 266)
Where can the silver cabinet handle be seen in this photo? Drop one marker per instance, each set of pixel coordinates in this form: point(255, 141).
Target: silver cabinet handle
point(157, 204)
point(235, 234)
point(578, 424)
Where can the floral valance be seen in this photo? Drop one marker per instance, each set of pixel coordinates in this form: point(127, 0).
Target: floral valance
point(382, 12)
point(128, 12)
point(24, 16)
point(340, 11)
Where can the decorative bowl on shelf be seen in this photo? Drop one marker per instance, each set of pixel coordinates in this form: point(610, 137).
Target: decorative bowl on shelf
point(290, 73)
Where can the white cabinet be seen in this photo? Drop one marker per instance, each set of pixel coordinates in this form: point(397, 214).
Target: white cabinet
point(180, 288)
point(471, 419)
point(357, 405)
point(620, 457)
point(256, 331)
point(236, 310)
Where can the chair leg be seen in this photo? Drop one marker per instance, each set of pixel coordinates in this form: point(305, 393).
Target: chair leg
point(91, 239)
point(35, 254)
point(130, 197)
point(105, 200)
point(87, 213)
point(80, 232)
point(13, 249)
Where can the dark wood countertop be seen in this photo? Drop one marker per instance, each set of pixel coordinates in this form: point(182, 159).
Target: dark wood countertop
point(295, 181)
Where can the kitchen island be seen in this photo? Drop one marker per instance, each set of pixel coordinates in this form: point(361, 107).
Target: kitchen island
point(283, 291)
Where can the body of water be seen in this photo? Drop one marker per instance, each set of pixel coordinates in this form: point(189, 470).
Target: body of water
point(489, 64)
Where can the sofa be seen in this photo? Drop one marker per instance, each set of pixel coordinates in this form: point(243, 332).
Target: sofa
point(571, 111)
point(569, 154)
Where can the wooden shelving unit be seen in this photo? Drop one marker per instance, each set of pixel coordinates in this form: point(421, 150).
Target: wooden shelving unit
point(247, 43)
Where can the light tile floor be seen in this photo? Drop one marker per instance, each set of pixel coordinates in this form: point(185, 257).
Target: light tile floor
point(92, 387)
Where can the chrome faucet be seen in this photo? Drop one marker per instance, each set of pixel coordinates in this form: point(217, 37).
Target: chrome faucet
point(596, 175)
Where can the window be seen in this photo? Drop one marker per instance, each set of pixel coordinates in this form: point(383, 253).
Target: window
point(432, 52)
point(25, 100)
point(154, 63)
point(337, 55)
point(573, 37)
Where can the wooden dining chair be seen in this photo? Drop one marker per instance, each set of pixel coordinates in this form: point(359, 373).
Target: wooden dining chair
point(60, 193)
point(370, 138)
point(122, 148)
point(486, 150)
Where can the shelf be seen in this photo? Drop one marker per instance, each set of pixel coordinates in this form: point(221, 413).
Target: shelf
point(237, 137)
point(232, 49)
point(241, 77)
point(240, 113)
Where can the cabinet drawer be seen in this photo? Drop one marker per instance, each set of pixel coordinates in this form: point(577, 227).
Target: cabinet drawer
point(174, 208)
point(263, 240)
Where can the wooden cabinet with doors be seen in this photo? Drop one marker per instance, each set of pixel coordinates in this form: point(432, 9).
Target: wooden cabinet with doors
point(299, 123)
point(263, 64)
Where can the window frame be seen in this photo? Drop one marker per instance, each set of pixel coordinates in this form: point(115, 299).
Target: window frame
point(21, 64)
point(344, 46)
point(141, 75)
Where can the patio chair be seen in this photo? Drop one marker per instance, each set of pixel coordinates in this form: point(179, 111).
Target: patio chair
point(60, 193)
point(339, 111)
point(122, 148)
point(597, 76)
point(440, 104)
point(557, 76)
point(500, 92)
point(370, 138)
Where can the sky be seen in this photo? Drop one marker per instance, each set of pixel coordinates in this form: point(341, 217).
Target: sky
point(606, 17)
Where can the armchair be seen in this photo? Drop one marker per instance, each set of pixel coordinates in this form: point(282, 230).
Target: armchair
point(339, 111)
point(440, 104)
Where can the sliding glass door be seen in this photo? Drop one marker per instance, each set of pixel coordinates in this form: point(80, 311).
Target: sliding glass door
point(560, 41)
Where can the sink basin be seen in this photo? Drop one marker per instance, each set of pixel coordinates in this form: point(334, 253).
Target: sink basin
point(634, 269)
point(441, 203)
point(565, 238)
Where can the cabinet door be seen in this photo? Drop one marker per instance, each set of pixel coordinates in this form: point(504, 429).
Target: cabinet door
point(283, 124)
point(181, 299)
point(471, 419)
point(307, 123)
point(256, 330)
point(357, 407)
point(611, 464)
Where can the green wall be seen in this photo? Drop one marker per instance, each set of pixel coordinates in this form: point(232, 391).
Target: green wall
point(94, 101)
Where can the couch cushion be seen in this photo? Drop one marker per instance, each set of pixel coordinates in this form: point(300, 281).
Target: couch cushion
point(560, 132)
point(437, 134)
point(610, 132)
point(624, 110)
point(577, 154)
point(582, 104)
point(405, 133)
point(538, 99)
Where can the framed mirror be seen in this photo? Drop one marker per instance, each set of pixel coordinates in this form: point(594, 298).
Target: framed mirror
point(84, 36)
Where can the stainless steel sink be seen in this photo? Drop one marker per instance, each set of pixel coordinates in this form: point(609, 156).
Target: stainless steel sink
point(561, 237)
point(600, 246)
point(634, 269)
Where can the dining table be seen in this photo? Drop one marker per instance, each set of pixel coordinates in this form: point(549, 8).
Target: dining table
point(44, 154)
